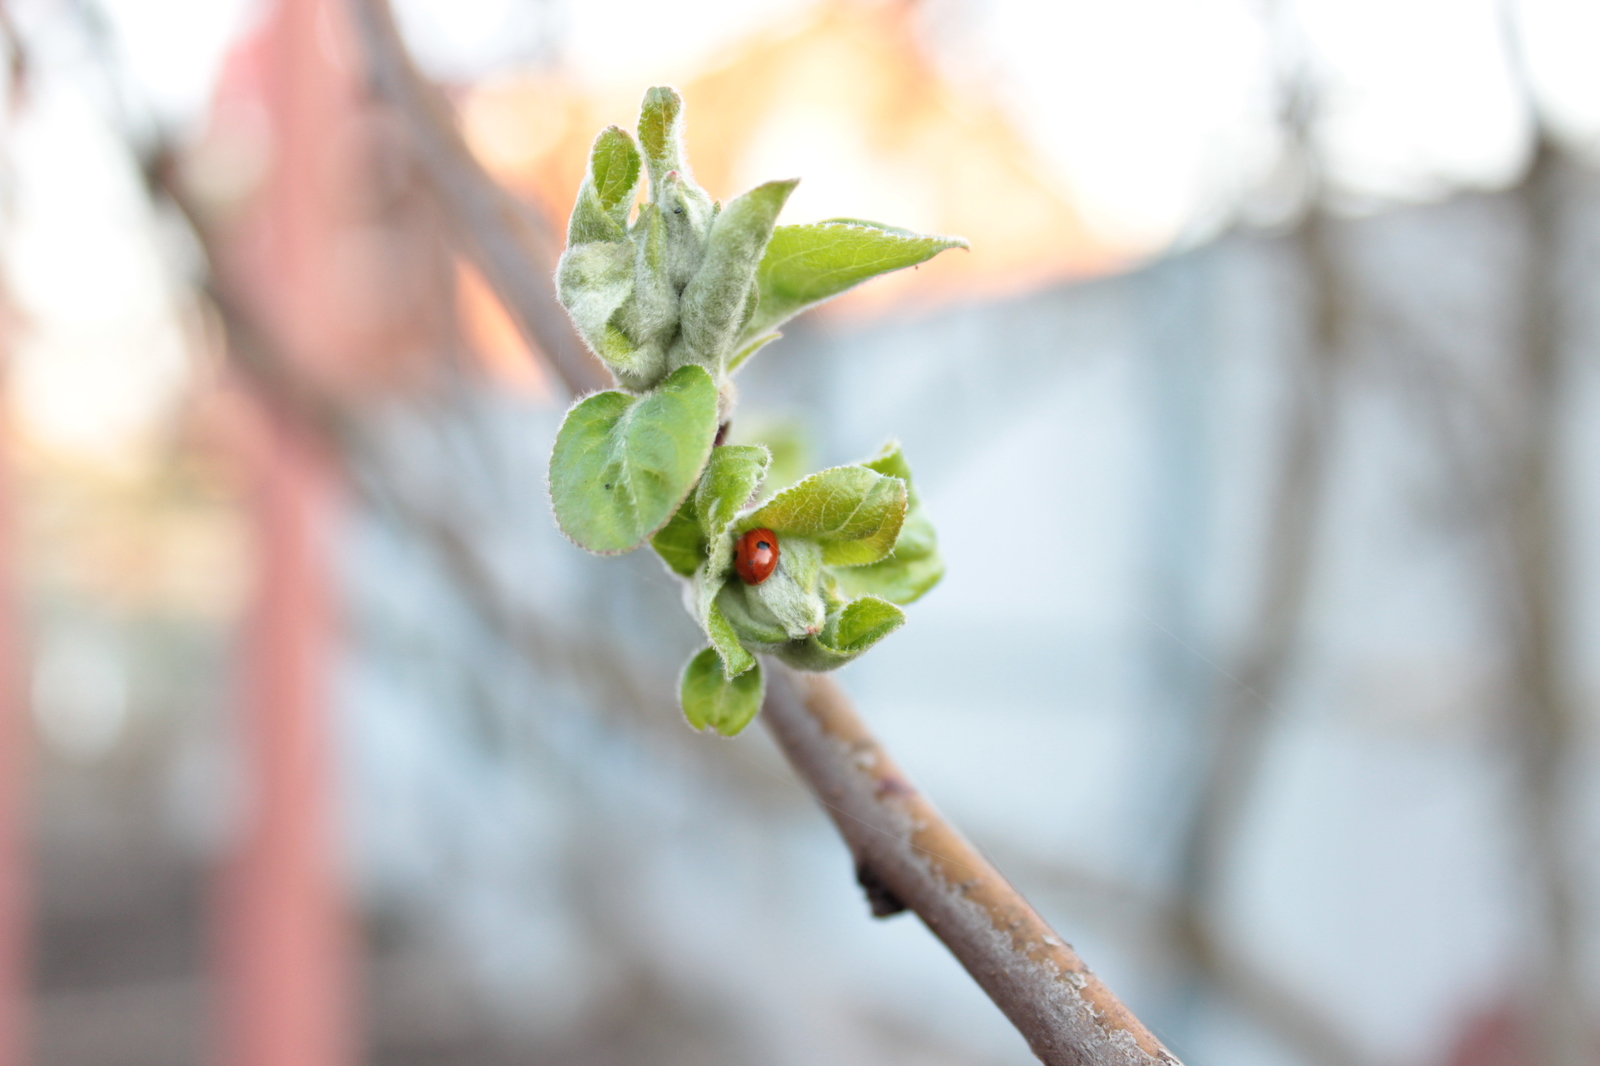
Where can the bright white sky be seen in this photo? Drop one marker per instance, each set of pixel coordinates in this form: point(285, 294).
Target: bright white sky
point(1155, 113)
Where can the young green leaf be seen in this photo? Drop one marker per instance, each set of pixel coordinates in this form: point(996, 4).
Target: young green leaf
point(735, 659)
point(680, 543)
point(622, 464)
point(750, 348)
point(606, 195)
point(805, 265)
point(711, 699)
point(686, 210)
point(898, 580)
point(849, 632)
point(853, 512)
point(730, 479)
point(862, 624)
point(717, 301)
point(661, 131)
point(614, 171)
point(915, 566)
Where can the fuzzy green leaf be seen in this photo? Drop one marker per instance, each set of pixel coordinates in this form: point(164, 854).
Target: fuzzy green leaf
point(849, 633)
point(854, 513)
point(719, 298)
point(735, 659)
point(614, 170)
point(891, 460)
point(661, 130)
point(862, 624)
point(730, 479)
point(686, 210)
point(606, 195)
point(805, 265)
point(711, 699)
point(737, 359)
point(622, 464)
point(915, 565)
point(679, 542)
point(898, 580)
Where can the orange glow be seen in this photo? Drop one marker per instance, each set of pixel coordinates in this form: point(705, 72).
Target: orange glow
point(493, 338)
point(850, 100)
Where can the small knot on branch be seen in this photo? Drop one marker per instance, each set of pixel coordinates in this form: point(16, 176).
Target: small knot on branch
point(885, 904)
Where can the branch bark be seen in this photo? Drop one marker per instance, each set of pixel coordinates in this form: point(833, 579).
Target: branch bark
point(907, 856)
point(509, 243)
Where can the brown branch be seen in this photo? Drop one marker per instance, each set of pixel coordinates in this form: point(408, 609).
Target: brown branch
point(907, 855)
point(509, 243)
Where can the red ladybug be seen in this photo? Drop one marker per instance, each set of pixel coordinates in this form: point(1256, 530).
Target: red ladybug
point(756, 556)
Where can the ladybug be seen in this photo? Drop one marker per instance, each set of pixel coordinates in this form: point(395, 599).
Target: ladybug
point(756, 556)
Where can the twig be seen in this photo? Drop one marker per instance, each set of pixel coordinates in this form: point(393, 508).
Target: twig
point(499, 233)
point(907, 856)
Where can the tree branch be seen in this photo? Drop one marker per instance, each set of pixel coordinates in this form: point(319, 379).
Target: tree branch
point(509, 243)
point(907, 856)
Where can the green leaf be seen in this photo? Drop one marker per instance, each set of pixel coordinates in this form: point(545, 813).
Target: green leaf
point(730, 479)
point(661, 130)
point(915, 566)
point(891, 460)
point(711, 699)
point(686, 210)
point(622, 464)
point(614, 170)
point(849, 633)
point(606, 195)
point(853, 512)
point(805, 265)
point(735, 659)
point(750, 348)
point(862, 624)
point(592, 281)
point(898, 580)
point(679, 542)
point(717, 301)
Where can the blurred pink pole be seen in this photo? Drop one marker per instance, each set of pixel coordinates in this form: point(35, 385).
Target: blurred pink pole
point(286, 963)
point(285, 954)
point(15, 867)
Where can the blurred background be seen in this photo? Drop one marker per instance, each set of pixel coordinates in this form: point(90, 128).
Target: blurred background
point(1261, 425)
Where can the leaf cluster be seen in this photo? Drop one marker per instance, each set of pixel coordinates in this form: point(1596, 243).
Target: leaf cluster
point(854, 546)
point(673, 292)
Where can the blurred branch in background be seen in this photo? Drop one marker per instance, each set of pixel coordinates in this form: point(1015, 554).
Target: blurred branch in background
point(498, 232)
point(1250, 693)
point(1540, 713)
